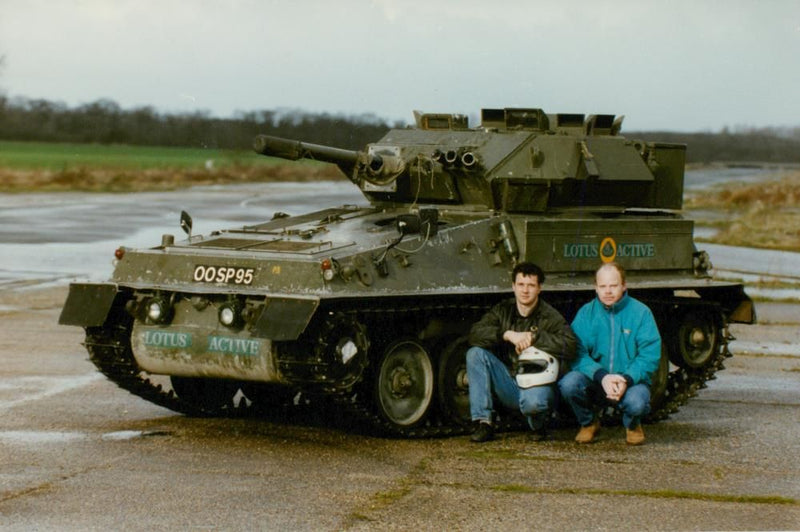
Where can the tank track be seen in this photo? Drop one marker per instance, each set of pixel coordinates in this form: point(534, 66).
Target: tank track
point(358, 403)
point(682, 384)
point(109, 349)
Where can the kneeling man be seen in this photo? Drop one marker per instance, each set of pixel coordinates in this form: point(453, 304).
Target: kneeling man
point(499, 337)
point(619, 350)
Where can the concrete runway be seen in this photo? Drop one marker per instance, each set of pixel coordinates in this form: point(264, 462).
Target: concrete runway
point(77, 453)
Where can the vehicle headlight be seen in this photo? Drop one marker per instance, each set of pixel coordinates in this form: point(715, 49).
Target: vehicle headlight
point(230, 313)
point(158, 310)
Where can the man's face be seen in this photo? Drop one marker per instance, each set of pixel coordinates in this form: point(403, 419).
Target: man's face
point(609, 286)
point(526, 289)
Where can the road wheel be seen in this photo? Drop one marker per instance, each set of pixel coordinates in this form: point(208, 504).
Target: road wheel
point(452, 385)
point(404, 383)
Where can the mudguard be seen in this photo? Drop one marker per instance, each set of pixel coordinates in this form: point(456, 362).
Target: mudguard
point(285, 318)
point(88, 304)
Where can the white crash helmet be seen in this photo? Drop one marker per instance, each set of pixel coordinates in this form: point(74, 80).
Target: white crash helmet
point(536, 368)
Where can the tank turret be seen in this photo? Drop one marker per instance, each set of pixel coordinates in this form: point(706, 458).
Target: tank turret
point(518, 160)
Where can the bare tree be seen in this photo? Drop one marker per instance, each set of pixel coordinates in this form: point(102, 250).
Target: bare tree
point(2, 92)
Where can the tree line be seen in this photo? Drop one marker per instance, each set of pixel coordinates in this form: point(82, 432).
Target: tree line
point(105, 122)
point(765, 145)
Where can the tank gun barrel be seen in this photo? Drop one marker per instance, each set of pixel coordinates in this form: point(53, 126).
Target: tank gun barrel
point(346, 160)
point(295, 149)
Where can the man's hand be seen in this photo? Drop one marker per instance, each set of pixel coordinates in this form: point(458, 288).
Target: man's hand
point(614, 385)
point(521, 340)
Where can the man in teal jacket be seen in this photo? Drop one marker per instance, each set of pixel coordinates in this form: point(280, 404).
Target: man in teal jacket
point(619, 349)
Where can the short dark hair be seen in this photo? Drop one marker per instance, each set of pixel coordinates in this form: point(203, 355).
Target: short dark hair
point(527, 268)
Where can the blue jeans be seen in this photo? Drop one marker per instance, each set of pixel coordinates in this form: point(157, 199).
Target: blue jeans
point(585, 396)
point(487, 374)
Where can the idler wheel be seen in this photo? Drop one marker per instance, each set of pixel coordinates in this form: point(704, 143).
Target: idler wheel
point(404, 384)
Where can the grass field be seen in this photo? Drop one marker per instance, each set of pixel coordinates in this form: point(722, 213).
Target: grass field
point(760, 215)
point(56, 157)
point(39, 166)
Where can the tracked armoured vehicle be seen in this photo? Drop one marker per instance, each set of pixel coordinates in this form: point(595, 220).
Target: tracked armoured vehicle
point(368, 307)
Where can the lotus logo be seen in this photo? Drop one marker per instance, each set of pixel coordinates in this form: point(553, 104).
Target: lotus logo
point(608, 249)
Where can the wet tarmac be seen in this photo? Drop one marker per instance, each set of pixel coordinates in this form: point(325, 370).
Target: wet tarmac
point(52, 238)
point(77, 453)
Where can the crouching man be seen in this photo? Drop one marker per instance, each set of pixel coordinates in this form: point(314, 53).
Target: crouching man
point(619, 350)
point(498, 338)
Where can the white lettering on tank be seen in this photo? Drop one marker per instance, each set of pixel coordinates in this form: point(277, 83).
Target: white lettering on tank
point(167, 339)
point(234, 346)
point(223, 274)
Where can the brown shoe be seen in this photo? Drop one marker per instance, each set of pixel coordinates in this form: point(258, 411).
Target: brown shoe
point(587, 433)
point(635, 436)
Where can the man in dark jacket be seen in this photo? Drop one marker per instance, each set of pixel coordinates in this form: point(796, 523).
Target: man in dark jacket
point(499, 337)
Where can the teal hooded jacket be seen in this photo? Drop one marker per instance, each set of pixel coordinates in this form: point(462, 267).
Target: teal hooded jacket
point(621, 339)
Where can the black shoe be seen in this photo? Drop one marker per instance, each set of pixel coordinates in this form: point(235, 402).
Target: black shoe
point(484, 432)
point(538, 435)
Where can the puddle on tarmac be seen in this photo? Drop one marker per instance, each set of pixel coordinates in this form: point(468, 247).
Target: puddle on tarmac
point(122, 435)
point(37, 437)
point(27, 437)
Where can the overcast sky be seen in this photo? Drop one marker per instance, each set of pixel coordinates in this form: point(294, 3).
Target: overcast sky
point(694, 65)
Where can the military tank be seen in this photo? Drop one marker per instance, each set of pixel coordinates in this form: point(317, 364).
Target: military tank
point(368, 307)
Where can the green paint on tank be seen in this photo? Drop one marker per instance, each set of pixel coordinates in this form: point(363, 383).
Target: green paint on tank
point(367, 307)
